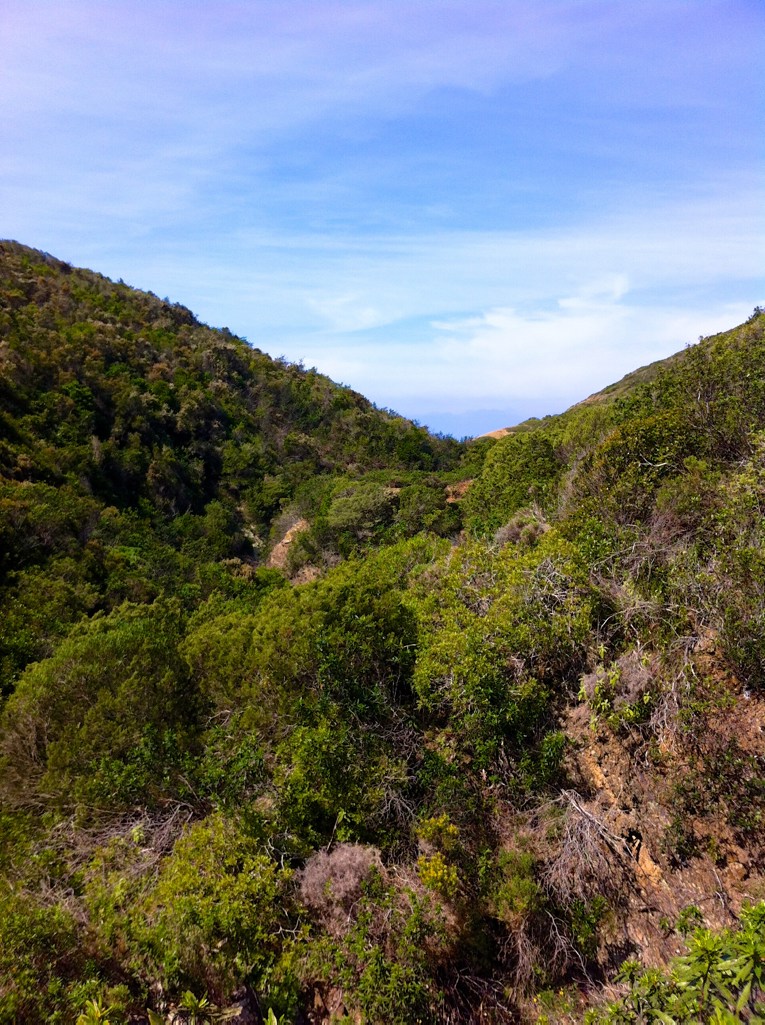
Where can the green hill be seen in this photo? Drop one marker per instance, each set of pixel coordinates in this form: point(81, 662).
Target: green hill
point(498, 759)
point(140, 450)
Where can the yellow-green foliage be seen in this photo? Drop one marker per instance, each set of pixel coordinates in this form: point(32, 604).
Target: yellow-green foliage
point(439, 831)
point(216, 910)
point(494, 628)
point(438, 875)
point(515, 894)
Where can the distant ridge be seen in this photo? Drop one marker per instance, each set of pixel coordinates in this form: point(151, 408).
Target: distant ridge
point(610, 393)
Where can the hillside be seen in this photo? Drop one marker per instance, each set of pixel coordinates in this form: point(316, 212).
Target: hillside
point(142, 453)
point(496, 759)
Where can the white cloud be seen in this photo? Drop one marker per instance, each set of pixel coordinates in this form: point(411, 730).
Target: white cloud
point(346, 312)
point(566, 353)
point(543, 362)
point(463, 320)
point(322, 284)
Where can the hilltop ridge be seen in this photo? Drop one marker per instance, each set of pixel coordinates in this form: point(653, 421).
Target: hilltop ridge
point(610, 393)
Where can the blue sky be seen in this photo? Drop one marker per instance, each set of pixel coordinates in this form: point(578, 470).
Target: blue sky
point(470, 211)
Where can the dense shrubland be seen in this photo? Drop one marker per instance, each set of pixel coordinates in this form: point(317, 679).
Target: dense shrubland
point(471, 770)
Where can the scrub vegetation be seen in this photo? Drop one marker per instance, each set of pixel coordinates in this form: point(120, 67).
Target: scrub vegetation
point(468, 753)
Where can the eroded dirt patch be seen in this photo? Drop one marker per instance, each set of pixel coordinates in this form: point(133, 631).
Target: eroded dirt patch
point(277, 557)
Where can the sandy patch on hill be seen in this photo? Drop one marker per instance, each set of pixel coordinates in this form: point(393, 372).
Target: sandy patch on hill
point(277, 557)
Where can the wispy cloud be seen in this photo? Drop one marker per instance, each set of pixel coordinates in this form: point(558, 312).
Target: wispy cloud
point(535, 364)
point(709, 243)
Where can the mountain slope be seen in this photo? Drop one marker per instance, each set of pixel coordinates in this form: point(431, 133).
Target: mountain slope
point(100, 381)
point(492, 750)
point(138, 445)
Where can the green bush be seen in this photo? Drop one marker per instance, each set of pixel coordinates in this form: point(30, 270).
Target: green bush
point(387, 961)
point(519, 469)
point(720, 979)
point(216, 916)
point(495, 630)
point(42, 959)
point(96, 721)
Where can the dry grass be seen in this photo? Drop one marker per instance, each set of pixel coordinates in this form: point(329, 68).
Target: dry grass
point(332, 884)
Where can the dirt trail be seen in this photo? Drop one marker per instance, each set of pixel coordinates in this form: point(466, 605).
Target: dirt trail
point(277, 558)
